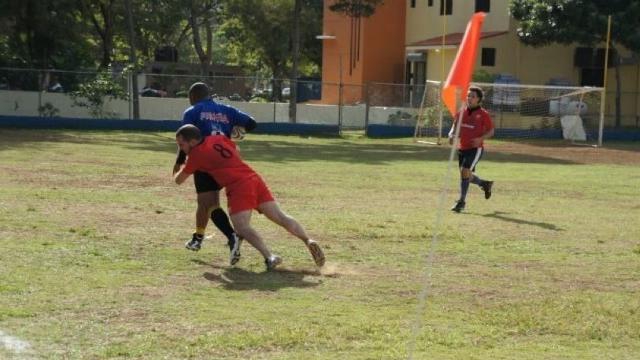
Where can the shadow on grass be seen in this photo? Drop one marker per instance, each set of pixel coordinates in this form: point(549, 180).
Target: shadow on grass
point(234, 278)
point(502, 216)
point(275, 150)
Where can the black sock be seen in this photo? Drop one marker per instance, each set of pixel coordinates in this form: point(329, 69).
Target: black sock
point(476, 180)
point(464, 187)
point(221, 220)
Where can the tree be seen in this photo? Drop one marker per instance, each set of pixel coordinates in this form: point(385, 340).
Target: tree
point(261, 31)
point(543, 22)
point(102, 14)
point(41, 34)
point(293, 80)
point(93, 94)
point(202, 14)
point(356, 8)
point(257, 35)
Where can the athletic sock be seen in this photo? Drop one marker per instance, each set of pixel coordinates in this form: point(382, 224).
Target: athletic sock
point(464, 187)
point(476, 180)
point(221, 220)
point(200, 232)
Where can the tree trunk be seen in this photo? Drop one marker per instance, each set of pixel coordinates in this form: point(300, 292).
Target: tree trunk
point(276, 88)
point(293, 82)
point(106, 10)
point(207, 57)
point(197, 42)
point(133, 60)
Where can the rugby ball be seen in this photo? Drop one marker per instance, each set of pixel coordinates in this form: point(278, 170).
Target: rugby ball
point(237, 133)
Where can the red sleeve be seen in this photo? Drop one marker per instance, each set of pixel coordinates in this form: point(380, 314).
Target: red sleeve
point(488, 123)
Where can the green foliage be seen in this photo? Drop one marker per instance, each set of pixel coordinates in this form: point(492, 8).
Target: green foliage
point(257, 34)
point(93, 93)
point(401, 118)
point(76, 35)
point(42, 34)
point(483, 76)
point(48, 110)
point(356, 8)
point(577, 21)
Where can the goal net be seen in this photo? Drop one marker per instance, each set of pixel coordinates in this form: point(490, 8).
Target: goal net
point(522, 111)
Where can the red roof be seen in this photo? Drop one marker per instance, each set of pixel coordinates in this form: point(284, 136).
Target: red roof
point(454, 38)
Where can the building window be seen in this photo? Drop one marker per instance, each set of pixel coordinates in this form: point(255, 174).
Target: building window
point(446, 7)
point(483, 5)
point(413, 3)
point(591, 77)
point(488, 57)
point(430, 3)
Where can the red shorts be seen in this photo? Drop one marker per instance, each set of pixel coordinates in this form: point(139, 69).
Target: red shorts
point(247, 194)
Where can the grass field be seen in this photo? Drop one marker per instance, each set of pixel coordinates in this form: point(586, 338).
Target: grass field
point(93, 265)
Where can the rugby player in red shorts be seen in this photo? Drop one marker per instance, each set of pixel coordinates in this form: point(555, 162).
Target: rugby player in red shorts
point(476, 127)
point(217, 156)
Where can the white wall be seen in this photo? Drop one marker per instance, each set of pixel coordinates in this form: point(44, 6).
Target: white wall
point(25, 103)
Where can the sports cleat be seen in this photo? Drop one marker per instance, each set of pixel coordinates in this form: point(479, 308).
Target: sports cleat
point(459, 206)
point(486, 187)
point(272, 262)
point(234, 249)
point(316, 252)
point(195, 243)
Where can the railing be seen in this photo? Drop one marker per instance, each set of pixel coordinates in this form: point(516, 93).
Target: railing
point(55, 93)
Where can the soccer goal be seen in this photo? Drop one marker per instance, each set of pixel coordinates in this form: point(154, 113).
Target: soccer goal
point(430, 117)
point(523, 111)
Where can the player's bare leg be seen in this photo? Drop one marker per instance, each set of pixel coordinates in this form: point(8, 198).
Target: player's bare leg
point(206, 202)
point(272, 211)
point(242, 223)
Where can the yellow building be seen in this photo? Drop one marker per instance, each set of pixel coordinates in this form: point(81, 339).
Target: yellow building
point(429, 54)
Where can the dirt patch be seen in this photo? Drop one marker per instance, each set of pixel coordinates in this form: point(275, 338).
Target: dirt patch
point(627, 154)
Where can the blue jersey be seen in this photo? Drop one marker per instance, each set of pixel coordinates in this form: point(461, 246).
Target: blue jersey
point(214, 118)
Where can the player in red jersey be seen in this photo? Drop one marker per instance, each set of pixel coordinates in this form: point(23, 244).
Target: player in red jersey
point(217, 156)
point(476, 127)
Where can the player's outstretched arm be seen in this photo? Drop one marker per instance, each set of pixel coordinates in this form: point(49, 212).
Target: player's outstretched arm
point(180, 177)
point(180, 159)
point(250, 125)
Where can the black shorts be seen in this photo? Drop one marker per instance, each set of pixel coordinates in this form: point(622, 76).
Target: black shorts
point(204, 182)
point(468, 159)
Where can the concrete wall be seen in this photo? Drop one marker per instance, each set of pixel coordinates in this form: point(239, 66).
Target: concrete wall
point(26, 103)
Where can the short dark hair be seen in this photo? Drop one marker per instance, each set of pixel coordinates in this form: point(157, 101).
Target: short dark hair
point(477, 90)
point(189, 132)
point(199, 90)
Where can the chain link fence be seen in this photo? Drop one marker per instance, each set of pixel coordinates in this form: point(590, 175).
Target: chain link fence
point(84, 94)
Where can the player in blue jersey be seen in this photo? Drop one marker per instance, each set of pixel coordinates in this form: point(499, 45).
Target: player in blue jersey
point(212, 119)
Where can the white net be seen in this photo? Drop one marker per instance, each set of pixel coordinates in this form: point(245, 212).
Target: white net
point(522, 111)
point(430, 118)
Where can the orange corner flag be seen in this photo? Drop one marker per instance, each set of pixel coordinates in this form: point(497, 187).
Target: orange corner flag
point(460, 73)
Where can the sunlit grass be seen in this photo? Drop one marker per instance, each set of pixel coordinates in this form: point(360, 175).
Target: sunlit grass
point(93, 265)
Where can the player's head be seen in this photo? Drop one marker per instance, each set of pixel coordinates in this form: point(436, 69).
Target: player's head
point(474, 96)
point(197, 92)
point(187, 137)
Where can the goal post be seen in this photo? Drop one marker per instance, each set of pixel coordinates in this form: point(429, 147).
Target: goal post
point(429, 121)
point(523, 111)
